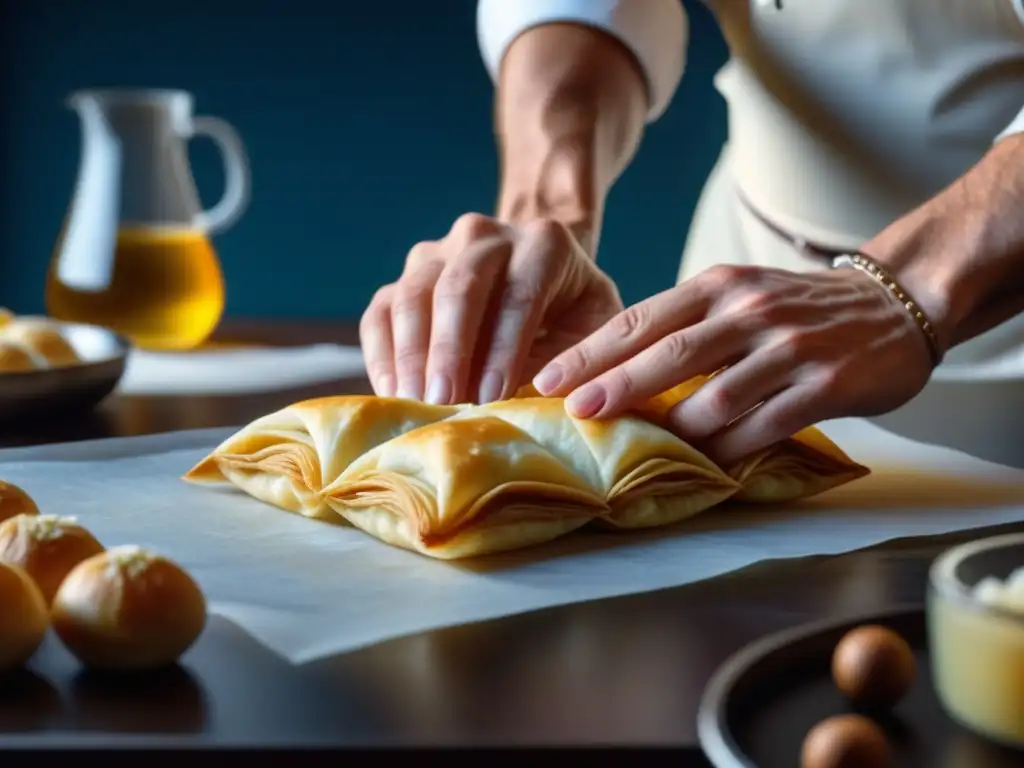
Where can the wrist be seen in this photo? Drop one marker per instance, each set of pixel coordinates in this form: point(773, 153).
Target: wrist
point(910, 250)
point(959, 254)
point(555, 188)
point(570, 114)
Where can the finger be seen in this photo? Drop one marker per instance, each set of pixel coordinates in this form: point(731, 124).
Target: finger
point(622, 337)
point(410, 324)
point(677, 357)
point(375, 341)
point(461, 297)
point(730, 394)
point(531, 280)
point(776, 419)
point(471, 227)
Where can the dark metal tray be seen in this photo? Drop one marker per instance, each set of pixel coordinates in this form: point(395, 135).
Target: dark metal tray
point(759, 706)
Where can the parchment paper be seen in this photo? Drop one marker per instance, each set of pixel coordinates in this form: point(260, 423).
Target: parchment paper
point(308, 589)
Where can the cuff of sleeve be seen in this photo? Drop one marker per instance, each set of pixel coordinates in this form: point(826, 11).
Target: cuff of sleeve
point(655, 31)
point(1017, 126)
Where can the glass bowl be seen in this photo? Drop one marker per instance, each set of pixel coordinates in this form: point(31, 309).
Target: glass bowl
point(976, 648)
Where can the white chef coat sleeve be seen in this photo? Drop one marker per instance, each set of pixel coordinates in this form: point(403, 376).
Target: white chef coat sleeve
point(1017, 126)
point(656, 31)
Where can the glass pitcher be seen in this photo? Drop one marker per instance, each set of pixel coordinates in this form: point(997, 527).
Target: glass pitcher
point(134, 253)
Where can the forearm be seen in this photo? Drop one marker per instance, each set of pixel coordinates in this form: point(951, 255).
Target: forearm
point(570, 112)
point(961, 254)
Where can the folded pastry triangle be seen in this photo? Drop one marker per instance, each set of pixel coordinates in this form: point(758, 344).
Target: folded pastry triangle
point(806, 464)
point(647, 475)
point(467, 486)
point(286, 457)
point(803, 465)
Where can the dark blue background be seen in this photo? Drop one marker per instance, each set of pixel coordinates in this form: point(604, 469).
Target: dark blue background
point(368, 126)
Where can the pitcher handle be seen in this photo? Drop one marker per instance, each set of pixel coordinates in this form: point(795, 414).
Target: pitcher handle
point(237, 184)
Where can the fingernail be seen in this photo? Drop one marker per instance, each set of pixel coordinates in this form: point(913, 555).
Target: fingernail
point(408, 390)
point(491, 387)
point(386, 386)
point(440, 390)
point(586, 401)
point(548, 379)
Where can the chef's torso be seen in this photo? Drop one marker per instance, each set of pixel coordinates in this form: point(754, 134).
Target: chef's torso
point(845, 114)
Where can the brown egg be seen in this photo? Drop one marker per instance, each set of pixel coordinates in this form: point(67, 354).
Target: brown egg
point(845, 741)
point(23, 617)
point(14, 502)
point(14, 358)
point(128, 608)
point(873, 666)
point(47, 547)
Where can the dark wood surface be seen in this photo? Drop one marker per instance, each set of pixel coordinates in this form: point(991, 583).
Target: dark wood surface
point(624, 671)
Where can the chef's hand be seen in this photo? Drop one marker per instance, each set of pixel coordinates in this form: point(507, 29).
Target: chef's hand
point(477, 313)
point(800, 348)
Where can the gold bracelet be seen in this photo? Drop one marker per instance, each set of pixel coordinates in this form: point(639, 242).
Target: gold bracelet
point(868, 265)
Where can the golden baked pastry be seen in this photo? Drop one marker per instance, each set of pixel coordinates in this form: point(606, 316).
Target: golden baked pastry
point(47, 547)
point(23, 617)
point(5, 316)
point(286, 457)
point(42, 337)
point(646, 475)
point(16, 358)
point(14, 501)
point(463, 488)
point(461, 481)
point(128, 608)
point(804, 465)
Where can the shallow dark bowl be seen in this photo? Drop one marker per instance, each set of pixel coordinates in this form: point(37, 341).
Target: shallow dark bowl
point(70, 389)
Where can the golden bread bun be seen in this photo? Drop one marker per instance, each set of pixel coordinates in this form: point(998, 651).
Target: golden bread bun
point(47, 547)
point(128, 608)
point(23, 617)
point(44, 337)
point(14, 358)
point(5, 316)
point(14, 502)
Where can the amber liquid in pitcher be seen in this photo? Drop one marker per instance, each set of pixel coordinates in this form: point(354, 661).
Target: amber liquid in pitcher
point(166, 291)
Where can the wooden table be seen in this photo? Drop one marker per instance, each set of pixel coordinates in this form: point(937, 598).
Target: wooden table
point(626, 671)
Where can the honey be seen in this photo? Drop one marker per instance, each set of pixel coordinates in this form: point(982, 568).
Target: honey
point(166, 290)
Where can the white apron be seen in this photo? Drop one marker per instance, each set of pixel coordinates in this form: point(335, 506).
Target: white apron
point(867, 128)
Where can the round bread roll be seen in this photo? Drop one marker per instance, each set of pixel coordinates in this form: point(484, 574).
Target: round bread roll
point(47, 547)
point(23, 617)
point(14, 502)
point(44, 337)
point(14, 358)
point(5, 316)
point(128, 609)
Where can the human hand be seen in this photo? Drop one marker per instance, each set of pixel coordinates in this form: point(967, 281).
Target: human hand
point(478, 312)
point(799, 349)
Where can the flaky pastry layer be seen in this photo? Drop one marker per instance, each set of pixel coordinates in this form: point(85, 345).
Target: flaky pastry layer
point(459, 481)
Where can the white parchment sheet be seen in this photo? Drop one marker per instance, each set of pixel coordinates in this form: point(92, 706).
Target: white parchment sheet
point(309, 589)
